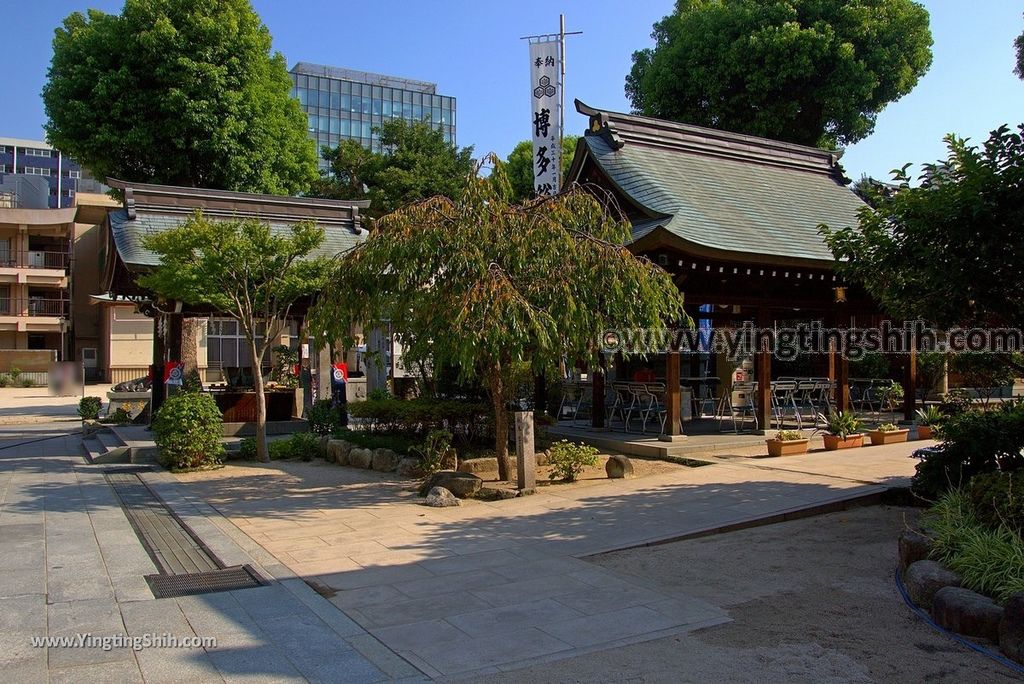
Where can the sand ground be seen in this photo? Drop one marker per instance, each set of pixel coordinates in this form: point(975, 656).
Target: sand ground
point(812, 600)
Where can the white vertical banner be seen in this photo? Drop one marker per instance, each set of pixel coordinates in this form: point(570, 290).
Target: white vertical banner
point(546, 119)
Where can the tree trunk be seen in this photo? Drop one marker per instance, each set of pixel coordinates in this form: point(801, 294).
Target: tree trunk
point(190, 345)
point(262, 452)
point(500, 423)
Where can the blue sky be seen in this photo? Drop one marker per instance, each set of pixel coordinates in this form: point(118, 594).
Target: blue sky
point(472, 50)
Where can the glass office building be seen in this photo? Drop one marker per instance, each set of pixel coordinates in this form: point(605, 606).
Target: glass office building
point(341, 103)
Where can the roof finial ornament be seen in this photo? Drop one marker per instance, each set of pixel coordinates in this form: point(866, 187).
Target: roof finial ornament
point(600, 125)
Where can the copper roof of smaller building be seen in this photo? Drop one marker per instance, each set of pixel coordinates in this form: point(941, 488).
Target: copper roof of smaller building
point(721, 194)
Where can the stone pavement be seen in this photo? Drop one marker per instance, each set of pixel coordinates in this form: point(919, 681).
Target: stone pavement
point(25, 405)
point(71, 564)
point(494, 586)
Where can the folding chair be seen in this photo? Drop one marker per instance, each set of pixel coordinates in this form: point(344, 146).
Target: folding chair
point(738, 403)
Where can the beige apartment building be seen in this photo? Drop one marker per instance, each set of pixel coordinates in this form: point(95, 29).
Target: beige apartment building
point(35, 306)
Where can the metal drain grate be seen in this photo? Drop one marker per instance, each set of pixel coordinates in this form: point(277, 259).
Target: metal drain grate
point(225, 579)
point(186, 565)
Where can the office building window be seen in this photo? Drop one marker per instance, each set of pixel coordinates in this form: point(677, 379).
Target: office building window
point(37, 171)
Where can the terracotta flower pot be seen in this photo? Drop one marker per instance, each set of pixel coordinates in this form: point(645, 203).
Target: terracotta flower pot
point(925, 432)
point(789, 447)
point(890, 437)
point(834, 442)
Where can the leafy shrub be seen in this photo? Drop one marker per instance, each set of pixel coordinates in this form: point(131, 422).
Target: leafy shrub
point(888, 427)
point(323, 418)
point(304, 445)
point(187, 429)
point(989, 560)
point(973, 442)
point(842, 424)
point(956, 401)
point(379, 394)
point(399, 443)
point(14, 373)
point(26, 382)
point(4, 381)
point(788, 435)
point(89, 407)
point(436, 453)
point(120, 416)
point(247, 449)
point(930, 415)
point(568, 459)
point(998, 499)
point(285, 360)
point(420, 416)
point(871, 365)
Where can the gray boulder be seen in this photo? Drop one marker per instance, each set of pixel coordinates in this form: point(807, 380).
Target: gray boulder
point(1011, 629)
point(439, 497)
point(924, 578)
point(479, 465)
point(618, 467)
point(913, 546)
point(338, 450)
point(542, 457)
point(967, 612)
point(360, 458)
point(459, 484)
point(410, 467)
point(322, 445)
point(385, 460)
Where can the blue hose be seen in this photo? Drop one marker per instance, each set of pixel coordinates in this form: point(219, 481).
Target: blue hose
point(953, 635)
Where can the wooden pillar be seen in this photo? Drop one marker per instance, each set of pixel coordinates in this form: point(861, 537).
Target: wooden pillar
point(157, 369)
point(673, 398)
point(838, 363)
point(174, 329)
point(540, 394)
point(597, 400)
point(763, 373)
point(910, 382)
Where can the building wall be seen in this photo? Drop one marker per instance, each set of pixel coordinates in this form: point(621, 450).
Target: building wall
point(37, 158)
point(341, 104)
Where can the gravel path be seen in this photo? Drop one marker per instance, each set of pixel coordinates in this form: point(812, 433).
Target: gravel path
point(812, 600)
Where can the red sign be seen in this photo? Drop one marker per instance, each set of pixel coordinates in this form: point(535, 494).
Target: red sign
point(174, 373)
point(340, 371)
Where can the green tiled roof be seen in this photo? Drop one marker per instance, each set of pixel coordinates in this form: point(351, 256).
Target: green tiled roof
point(128, 235)
point(722, 191)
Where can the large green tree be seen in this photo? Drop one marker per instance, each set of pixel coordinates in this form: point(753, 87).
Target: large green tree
point(519, 166)
point(485, 285)
point(417, 163)
point(948, 249)
point(813, 72)
point(242, 269)
point(179, 92)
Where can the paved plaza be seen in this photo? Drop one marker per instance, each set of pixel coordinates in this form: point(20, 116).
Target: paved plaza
point(365, 583)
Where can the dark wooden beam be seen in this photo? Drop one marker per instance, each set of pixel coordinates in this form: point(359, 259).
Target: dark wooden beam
point(763, 373)
point(673, 396)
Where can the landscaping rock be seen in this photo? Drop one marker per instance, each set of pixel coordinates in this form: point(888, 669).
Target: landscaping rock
point(360, 458)
point(924, 578)
point(385, 460)
point(338, 450)
point(913, 547)
point(618, 467)
point(439, 497)
point(459, 484)
point(543, 458)
point(967, 612)
point(1011, 629)
point(494, 493)
point(479, 465)
point(325, 452)
point(410, 467)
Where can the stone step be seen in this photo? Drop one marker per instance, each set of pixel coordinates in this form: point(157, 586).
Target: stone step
point(110, 440)
point(93, 449)
point(109, 447)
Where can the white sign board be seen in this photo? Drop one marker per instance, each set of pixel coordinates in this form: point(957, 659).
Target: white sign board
point(546, 119)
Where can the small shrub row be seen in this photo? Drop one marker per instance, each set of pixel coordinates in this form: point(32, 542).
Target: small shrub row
point(302, 445)
point(399, 443)
point(989, 560)
point(89, 407)
point(421, 415)
point(974, 442)
point(323, 418)
point(567, 459)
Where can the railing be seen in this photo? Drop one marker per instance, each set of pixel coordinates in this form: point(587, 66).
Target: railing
point(34, 259)
point(35, 306)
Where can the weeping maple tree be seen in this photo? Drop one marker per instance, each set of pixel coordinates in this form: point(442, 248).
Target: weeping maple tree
point(485, 285)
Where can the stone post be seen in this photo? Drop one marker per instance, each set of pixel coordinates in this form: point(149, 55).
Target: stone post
point(526, 469)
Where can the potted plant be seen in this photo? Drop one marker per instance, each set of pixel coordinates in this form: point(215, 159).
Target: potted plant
point(787, 443)
point(841, 430)
point(928, 419)
point(887, 433)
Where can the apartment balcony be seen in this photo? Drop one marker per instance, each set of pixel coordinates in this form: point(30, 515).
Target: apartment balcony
point(35, 267)
point(34, 314)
